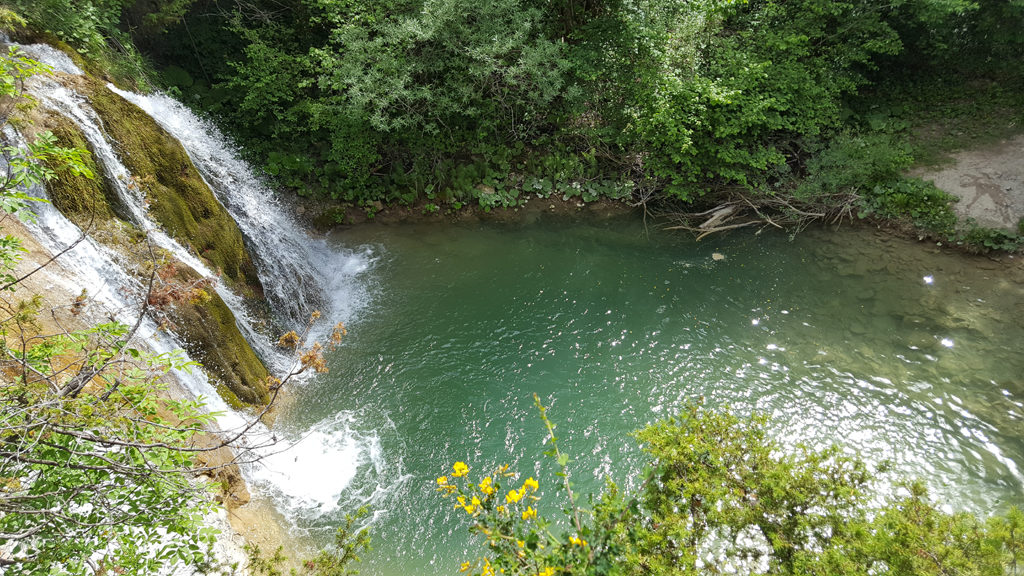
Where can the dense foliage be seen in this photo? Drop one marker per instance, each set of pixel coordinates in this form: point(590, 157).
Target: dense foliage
point(448, 101)
point(720, 496)
point(454, 100)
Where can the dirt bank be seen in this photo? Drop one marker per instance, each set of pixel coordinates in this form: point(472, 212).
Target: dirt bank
point(989, 181)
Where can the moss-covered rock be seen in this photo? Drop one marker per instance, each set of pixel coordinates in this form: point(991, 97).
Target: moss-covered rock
point(179, 198)
point(78, 197)
point(205, 324)
point(213, 339)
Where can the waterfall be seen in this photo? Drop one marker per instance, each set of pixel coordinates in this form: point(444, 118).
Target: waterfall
point(300, 274)
point(73, 106)
point(307, 471)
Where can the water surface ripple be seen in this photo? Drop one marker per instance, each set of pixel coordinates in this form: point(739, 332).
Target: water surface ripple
point(891, 348)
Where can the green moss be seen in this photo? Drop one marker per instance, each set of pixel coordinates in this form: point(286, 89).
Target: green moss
point(228, 396)
point(79, 197)
point(211, 337)
point(179, 199)
point(207, 327)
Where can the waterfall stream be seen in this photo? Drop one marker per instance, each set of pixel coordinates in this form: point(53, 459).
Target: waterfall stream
point(300, 273)
point(305, 470)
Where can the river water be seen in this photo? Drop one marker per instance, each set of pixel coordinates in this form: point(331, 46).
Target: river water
point(894, 349)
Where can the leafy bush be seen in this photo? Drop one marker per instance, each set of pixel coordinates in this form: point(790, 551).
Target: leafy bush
point(981, 239)
point(855, 163)
point(912, 199)
point(720, 496)
point(446, 94)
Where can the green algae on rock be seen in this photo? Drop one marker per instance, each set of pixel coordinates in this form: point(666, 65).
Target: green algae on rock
point(76, 196)
point(211, 337)
point(180, 200)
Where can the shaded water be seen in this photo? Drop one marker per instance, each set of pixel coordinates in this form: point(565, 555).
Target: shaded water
point(897, 351)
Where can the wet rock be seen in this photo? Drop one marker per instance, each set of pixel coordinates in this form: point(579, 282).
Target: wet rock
point(179, 198)
point(77, 197)
point(864, 295)
point(858, 328)
point(918, 339)
point(211, 336)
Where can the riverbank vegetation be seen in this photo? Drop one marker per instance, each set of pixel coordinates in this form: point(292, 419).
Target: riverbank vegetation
point(783, 110)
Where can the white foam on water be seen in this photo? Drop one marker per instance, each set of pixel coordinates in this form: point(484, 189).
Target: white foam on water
point(311, 471)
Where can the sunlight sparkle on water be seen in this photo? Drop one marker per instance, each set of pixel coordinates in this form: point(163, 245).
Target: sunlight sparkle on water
point(928, 279)
point(946, 342)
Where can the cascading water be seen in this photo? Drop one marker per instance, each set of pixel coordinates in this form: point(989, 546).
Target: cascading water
point(307, 471)
point(300, 274)
point(75, 107)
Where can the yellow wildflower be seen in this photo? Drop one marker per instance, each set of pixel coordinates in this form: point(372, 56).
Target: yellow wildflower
point(520, 543)
point(531, 484)
point(530, 512)
point(577, 541)
point(459, 469)
point(549, 571)
point(513, 496)
point(486, 487)
point(488, 570)
point(464, 567)
point(500, 509)
point(443, 486)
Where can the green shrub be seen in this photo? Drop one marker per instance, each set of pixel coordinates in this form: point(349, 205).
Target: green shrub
point(915, 200)
point(855, 163)
point(980, 239)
